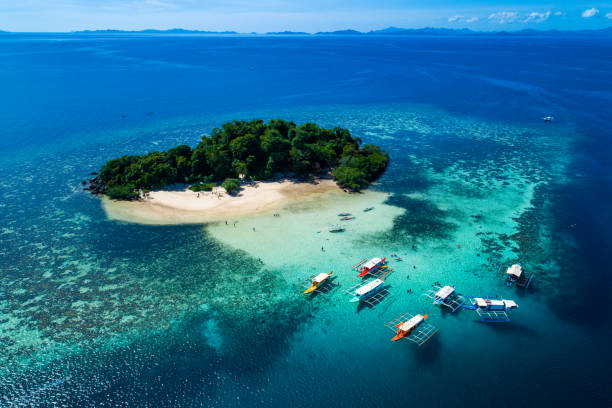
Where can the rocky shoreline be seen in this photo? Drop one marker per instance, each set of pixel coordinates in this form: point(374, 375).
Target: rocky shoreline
point(94, 185)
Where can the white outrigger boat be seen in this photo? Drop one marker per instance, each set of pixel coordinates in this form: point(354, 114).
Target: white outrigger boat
point(368, 290)
point(492, 310)
point(516, 275)
point(548, 118)
point(494, 304)
point(372, 292)
point(445, 296)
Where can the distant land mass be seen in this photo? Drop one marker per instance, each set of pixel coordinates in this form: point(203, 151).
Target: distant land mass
point(389, 31)
point(154, 31)
point(431, 31)
point(340, 32)
point(287, 32)
point(425, 31)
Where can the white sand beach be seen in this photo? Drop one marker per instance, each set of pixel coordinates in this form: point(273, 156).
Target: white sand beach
point(165, 207)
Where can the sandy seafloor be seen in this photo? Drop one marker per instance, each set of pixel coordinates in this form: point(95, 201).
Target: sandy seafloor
point(98, 312)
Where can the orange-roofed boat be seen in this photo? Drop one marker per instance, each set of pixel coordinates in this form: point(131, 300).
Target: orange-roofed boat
point(406, 327)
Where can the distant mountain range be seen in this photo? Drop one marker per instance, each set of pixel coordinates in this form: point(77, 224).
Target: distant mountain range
point(287, 32)
point(153, 31)
point(390, 31)
point(430, 31)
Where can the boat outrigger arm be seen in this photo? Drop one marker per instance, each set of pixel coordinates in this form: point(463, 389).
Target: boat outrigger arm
point(318, 281)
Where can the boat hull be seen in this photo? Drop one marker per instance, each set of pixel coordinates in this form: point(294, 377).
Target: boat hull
point(400, 335)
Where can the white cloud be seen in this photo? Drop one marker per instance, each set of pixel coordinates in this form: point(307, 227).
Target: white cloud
point(462, 19)
point(609, 16)
point(502, 17)
point(590, 12)
point(536, 17)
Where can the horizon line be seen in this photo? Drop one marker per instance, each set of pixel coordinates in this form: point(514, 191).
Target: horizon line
point(389, 30)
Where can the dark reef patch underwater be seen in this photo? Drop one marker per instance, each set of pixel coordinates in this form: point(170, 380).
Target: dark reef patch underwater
point(95, 312)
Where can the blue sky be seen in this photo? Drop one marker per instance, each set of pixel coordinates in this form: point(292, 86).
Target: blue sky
point(299, 15)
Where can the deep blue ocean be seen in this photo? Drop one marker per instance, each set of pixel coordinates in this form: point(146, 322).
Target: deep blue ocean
point(95, 312)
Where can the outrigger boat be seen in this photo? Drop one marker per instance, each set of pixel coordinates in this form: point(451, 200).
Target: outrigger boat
point(412, 328)
point(318, 281)
point(406, 327)
point(368, 209)
point(493, 305)
point(515, 275)
point(368, 290)
point(492, 310)
point(366, 266)
point(443, 293)
point(445, 296)
point(372, 292)
point(336, 228)
point(548, 118)
point(344, 214)
point(347, 218)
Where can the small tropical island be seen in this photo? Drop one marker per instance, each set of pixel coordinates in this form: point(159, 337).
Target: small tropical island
point(241, 152)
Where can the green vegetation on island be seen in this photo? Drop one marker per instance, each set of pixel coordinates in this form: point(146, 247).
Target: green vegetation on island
point(246, 149)
point(202, 187)
point(231, 185)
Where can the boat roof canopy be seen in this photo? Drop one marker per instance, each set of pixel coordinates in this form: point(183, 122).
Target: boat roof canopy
point(515, 270)
point(412, 323)
point(480, 302)
point(320, 277)
point(510, 304)
point(368, 287)
point(445, 292)
point(371, 263)
point(507, 304)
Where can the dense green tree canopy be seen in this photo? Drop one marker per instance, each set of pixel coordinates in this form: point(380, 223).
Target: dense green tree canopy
point(249, 149)
point(231, 185)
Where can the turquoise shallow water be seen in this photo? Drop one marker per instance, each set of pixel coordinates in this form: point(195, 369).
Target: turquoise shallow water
point(95, 312)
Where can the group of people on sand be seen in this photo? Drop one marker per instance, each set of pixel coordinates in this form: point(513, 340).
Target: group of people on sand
point(216, 193)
